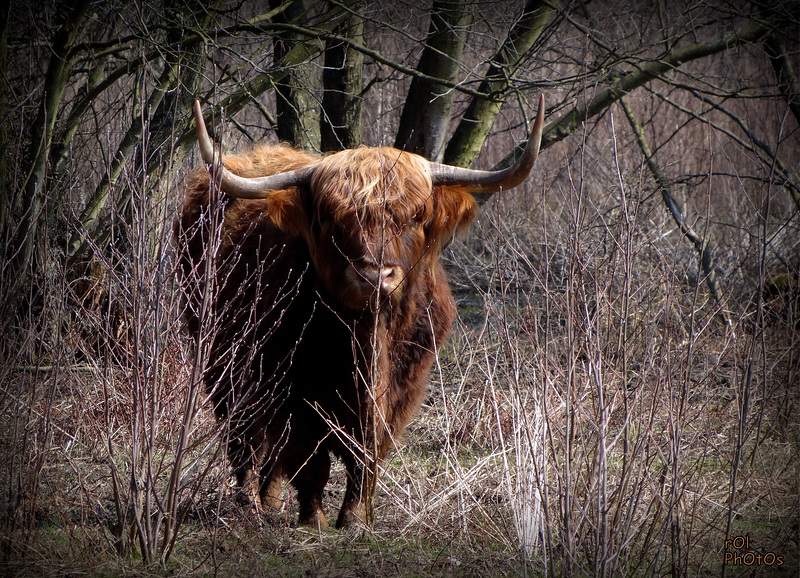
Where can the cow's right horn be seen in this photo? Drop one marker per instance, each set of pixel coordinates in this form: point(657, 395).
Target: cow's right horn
point(244, 187)
point(492, 181)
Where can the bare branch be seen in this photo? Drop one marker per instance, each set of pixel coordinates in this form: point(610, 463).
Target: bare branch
point(645, 72)
point(761, 149)
point(702, 247)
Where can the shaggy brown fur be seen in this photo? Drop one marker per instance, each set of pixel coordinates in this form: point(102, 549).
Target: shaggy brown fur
point(299, 336)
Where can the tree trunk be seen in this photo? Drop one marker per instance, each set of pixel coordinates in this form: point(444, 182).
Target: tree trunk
point(297, 105)
point(342, 79)
point(5, 131)
point(474, 127)
point(426, 114)
point(784, 73)
point(56, 80)
point(162, 116)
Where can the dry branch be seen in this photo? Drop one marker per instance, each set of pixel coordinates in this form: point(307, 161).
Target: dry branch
point(645, 72)
point(702, 247)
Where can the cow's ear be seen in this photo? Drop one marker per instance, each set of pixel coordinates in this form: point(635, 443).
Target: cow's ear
point(453, 210)
point(286, 209)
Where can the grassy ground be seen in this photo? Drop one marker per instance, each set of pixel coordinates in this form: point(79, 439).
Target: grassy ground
point(596, 412)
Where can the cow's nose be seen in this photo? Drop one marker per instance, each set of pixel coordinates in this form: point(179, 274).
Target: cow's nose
point(389, 279)
point(385, 279)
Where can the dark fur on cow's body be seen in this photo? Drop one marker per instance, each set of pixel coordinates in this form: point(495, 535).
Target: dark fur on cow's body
point(299, 323)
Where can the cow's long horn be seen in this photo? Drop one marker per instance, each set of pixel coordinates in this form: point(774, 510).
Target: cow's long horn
point(244, 187)
point(493, 181)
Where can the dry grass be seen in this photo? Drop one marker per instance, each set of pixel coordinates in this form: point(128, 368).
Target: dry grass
point(592, 415)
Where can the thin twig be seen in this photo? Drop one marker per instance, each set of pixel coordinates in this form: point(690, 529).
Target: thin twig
point(701, 245)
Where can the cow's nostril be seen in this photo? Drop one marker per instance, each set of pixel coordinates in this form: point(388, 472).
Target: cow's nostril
point(390, 277)
point(384, 280)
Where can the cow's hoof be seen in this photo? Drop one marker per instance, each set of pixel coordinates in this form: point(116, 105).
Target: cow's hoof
point(350, 517)
point(248, 501)
point(316, 521)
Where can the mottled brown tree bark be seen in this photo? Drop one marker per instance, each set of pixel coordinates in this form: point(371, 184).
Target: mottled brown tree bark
point(426, 114)
point(297, 99)
point(342, 80)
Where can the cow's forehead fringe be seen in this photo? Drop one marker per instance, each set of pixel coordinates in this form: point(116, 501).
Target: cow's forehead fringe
point(374, 183)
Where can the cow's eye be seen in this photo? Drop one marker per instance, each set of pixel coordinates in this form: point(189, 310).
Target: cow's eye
point(411, 227)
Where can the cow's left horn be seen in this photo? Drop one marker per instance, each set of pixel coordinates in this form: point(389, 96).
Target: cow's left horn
point(492, 181)
point(243, 187)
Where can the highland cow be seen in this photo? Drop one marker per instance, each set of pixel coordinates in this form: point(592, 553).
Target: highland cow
point(316, 295)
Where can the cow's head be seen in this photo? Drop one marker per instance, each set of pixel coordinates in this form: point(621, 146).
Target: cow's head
point(373, 218)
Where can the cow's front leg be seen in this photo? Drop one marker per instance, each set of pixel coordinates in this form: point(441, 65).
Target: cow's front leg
point(271, 482)
point(246, 450)
point(363, 463)
point(354, 506)
point(359, 498)
point(310, 481)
